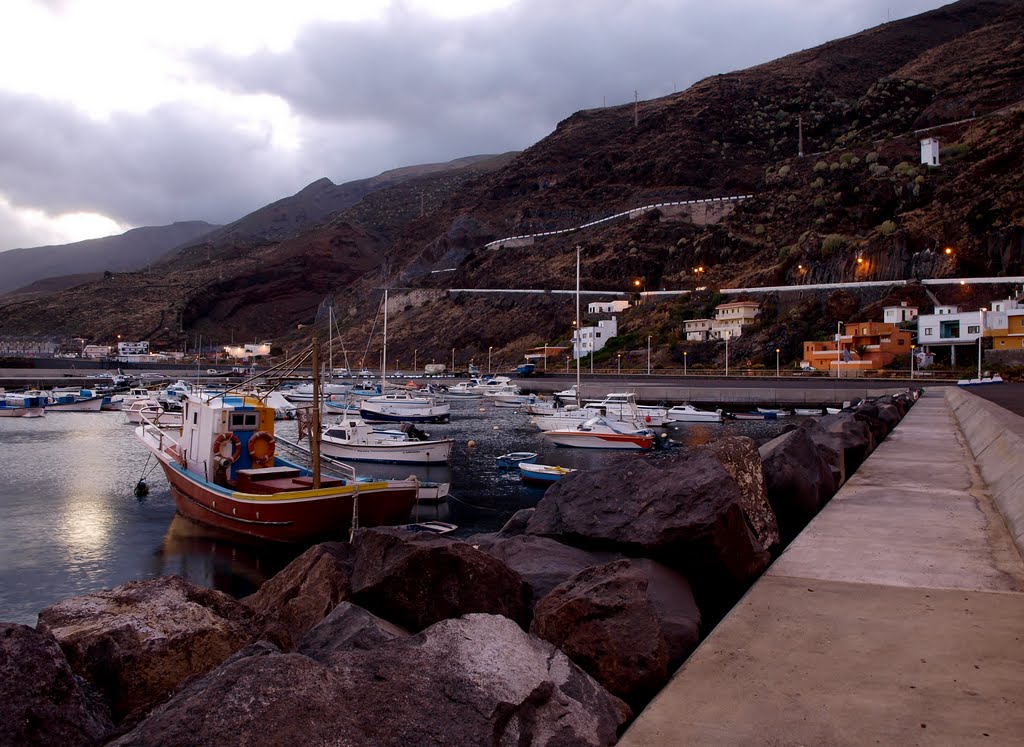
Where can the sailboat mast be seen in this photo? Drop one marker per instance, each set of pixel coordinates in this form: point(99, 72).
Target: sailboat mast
point(314, 429)
point(384, 354)
point(330, 340)
point(579, 331)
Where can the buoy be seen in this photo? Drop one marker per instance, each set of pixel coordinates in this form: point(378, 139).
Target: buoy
point(495, 428)
point(471, 444)
point(482, 410)
point(141, 489)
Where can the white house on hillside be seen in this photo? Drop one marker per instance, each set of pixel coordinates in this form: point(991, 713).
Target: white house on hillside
point(950, 326)
point(730, 318)
point(899, 314)
point(591, 339)
point(698, 330)
point(607, 307)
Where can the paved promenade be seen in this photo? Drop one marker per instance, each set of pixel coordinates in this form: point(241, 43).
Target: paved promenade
point(896, 617)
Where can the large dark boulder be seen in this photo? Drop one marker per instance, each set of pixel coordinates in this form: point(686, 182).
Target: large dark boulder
point(41, 700)
point(348, 626)
point(851, 436)
point(306, 590)
point(739, 456)
point(798, 478)
point(137, 642)
point(890, 415)
point(517, 524)
point(542, 563)
point(415, 580)
point(476, 680)
point(684, 510)
point(606, 619)
point(868, 413)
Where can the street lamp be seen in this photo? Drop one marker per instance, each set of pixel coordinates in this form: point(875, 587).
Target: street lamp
point(620, 363)
point(648, 355)
point(912, 347)
point(981, 332)
point(839, 365)
point(489, 357)
point(776, 363)
point(726, 353)
point(414, 369)
point(685, 353)
point(453, 360)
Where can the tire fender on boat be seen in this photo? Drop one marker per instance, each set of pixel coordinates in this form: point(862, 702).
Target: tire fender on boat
point(236, 446)
point(261, 448)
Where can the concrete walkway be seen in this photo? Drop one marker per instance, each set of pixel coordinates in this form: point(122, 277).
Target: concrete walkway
point(896, 617)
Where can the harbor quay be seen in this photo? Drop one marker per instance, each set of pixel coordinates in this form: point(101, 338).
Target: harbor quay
point(895, 617)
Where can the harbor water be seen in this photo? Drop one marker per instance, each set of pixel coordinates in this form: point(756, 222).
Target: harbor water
point(73, 525)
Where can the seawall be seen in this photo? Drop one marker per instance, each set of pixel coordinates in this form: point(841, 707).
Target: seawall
point(895, 617)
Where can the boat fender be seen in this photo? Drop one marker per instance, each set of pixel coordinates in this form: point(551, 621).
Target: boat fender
point(236, 446)
point(261, 448)
point(647, 418)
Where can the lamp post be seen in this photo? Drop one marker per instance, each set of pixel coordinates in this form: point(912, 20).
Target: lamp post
point(839, 369)
point(685, 353)
point(414, 369)
point(727, 353)
point(619, 355)
point(648, 355)
point(776, 363)
point(489, 358)
point(912, 347)
point(453, 360)
point(981, 333)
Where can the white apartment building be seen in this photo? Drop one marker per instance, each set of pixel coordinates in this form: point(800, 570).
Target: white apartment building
point(96, 351)
point(698, 330)
point(730, 318)
point(591, 339)
point(607, 307)
point(949, 326)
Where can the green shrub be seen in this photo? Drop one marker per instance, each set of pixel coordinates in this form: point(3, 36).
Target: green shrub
point(820, 202)
point(846, 158)
point(784, 171)
point(833, 243)
point(821, 166)
point(888, 228)
point(871, 157)
point(954, 151)
point(818, 183)
point(878, 169)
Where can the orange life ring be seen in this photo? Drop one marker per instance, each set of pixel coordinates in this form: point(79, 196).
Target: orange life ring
point(236, 446)
point(262, 455)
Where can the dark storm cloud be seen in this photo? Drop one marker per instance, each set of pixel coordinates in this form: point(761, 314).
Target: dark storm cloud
point(437, 89)
point(171, 163)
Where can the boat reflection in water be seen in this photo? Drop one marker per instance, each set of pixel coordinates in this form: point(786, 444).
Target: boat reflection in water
point(208, 556)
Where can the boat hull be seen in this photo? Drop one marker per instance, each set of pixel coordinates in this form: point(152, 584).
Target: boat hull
point(388, 415)
point(542, 474)
point(579, 440)
point(693, 416)
point(92, 404)
point(22, 412)
point(412, 452)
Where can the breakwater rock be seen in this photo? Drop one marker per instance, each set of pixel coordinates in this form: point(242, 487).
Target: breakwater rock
point(554, 630)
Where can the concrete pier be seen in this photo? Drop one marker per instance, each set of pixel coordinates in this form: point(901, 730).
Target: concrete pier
point(896, 617)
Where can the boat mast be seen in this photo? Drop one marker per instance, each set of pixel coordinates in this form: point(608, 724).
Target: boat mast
point(579, 333)
point(384, 354)
point(330, 340)
point(314, 429)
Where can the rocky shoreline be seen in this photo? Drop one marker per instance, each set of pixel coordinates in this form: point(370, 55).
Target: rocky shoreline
point(556, 630)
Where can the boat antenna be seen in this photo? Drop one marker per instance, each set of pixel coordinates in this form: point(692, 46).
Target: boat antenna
point(314, 430)
point(579, 332)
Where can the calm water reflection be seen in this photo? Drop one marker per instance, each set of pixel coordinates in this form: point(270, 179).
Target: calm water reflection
point(71, 523)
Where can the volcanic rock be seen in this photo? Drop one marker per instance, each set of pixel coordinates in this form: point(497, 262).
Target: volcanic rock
point(542, 563)
point(138, 641)
point(415, 580)
point(798, 478)
point(740, 458)
point(41, 700)
point(851, 436)
point(307, 589)
point(348, 626)
point(476, 680)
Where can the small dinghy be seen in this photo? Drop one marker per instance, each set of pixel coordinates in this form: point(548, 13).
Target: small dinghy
point(515, 458)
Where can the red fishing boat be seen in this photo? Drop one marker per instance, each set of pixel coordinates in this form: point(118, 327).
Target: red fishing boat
point(223, 471)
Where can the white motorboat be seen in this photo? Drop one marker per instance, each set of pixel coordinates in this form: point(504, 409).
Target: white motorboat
point(807, 411)
point(687, 413)
point(465, 390)
point(542, 474)
point(150, 411)
point(122, 401)
point(622, 406)
point(353, 440)
point(304, 392)
point(404, 406)
point(85, 400)
point(602, 433)
point(569, 393)
point(22, 406)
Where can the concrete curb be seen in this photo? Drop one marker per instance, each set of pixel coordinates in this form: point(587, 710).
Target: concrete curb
point(996, 438)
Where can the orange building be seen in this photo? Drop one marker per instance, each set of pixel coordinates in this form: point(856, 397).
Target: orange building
point(863, 346)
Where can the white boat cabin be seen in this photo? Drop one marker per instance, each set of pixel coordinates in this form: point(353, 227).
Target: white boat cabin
point(223, 435)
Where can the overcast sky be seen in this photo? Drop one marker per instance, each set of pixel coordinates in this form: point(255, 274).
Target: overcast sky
point(124, 113)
